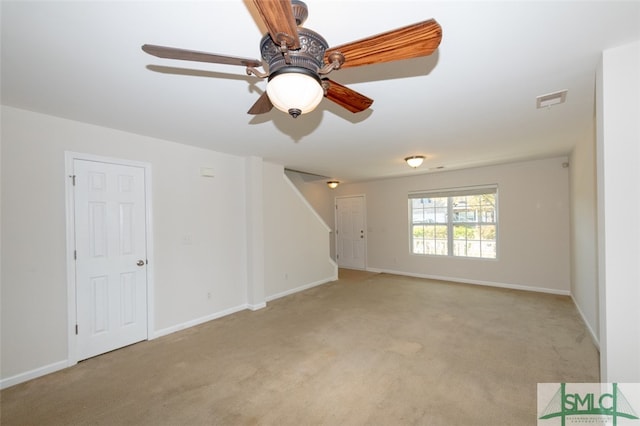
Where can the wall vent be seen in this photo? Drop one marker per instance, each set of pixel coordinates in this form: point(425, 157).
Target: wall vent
point(551, 99)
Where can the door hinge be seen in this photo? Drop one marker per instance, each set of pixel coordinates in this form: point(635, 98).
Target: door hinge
point(75, 255)
point(76, 329)
point(73, 179)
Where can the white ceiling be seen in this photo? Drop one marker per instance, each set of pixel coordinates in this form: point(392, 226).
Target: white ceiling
point(471, 103)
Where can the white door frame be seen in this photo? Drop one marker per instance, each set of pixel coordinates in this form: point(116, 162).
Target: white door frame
point(364, 224)
point(69, 157)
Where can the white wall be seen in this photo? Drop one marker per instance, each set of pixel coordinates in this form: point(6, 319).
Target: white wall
point(584, 244)
point(294, 234)
point(198, 224)
point(255, 233)
point(533, 235)
point(209, 235)
point(322, 199)
point(618, 171)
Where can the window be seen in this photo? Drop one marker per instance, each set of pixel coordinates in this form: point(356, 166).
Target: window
point(458, 222)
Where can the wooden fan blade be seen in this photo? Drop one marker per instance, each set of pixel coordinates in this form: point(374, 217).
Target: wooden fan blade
point(281, 24)
point(347, 98)
point(262, 105)
point(192, 55)
point(412, 41)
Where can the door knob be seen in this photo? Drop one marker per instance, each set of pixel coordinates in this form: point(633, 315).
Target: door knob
point(140, 262)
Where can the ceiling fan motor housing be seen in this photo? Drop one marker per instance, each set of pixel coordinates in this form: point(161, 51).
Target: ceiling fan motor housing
point(307, 60)
point(309, 57)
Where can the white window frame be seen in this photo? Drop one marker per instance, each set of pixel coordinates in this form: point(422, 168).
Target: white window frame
point(449, 221)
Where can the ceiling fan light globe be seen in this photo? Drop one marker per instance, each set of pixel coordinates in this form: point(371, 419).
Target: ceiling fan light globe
point(294, 91)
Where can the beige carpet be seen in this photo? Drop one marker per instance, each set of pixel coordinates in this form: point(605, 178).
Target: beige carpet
point(369, 349)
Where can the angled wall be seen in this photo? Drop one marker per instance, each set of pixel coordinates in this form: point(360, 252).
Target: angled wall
point(297, 254)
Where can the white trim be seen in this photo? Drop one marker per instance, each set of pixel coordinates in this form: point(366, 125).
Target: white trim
point(256, 307)
point(71, 269)
point(475, 282)
point(33, 374)
point(450, 221)
point(198, 321)
point(61, 365)
point(594, 338)
point(69, 157)
point(151, 294)
point(491, 188)
point(301, 288)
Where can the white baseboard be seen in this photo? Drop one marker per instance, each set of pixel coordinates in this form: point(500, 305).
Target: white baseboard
point(594, 338)
point(33, 374)
point(198, 321)
point(476, 282)
point(302, 288)
point(51, 368)
point(257, 307)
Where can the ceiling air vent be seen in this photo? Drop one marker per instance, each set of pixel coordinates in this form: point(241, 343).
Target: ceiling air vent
point(551, 99)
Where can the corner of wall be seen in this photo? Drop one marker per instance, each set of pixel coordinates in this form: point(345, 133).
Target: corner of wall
point(255, 232)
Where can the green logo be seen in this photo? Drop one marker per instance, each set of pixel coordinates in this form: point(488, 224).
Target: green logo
point(588, 405)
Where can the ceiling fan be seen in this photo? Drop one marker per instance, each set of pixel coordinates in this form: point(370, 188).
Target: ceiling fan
point(299, 59)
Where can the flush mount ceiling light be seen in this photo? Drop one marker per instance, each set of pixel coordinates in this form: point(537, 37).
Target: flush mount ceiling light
point(551, 99)
point(415, 160)
point(333, 184)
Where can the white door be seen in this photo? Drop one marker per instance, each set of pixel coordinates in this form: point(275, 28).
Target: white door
point(110, 244)
point(350, 232)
